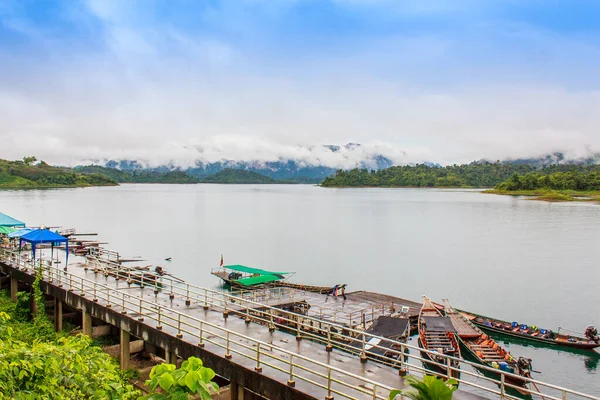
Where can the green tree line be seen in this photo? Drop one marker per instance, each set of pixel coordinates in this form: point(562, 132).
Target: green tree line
point(26, 174)
point(572, 180)
point(480, 174)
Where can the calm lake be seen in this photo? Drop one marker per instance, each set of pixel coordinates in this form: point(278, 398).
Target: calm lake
point(527, 261)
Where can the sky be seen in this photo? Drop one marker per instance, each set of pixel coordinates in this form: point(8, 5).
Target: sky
point(445, 81)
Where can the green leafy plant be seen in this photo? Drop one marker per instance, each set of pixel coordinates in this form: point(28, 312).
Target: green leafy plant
point(178, 384)
point(429, 388)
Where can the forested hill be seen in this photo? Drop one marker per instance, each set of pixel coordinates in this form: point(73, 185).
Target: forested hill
point(135, 176)
point(569, 181)
point(29, 174)
point(477, 174)
point(239, 176)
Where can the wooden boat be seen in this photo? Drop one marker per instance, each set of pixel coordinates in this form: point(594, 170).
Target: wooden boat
point(307, 288)
point(535, 334)
point(240, 276)
point(487, 352)
point(437, 334)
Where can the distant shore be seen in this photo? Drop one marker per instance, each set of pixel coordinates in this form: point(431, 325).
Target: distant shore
point(551, 195)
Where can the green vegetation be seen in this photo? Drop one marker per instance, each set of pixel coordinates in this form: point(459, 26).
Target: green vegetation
point(239, 176)
point(137, 176)
point(430, 388)
point(558, 186)
point(482, 174)
point(179, 384)
point(37, 363)
point(25, 175)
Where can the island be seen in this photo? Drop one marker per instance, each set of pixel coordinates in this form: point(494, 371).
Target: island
point(240, 176)
point(30, 174)
point(558, 186)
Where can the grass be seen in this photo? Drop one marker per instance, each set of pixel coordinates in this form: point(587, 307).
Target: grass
point(551, 195)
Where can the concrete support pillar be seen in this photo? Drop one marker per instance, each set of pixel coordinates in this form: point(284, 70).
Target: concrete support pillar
point(58, 315)
point(233, 390)
point(170, 357)
point(86, 323)
point(14, 289)
point(125, 351)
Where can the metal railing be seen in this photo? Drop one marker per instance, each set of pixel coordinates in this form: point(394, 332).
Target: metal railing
point(335, 335)
point(303, 326)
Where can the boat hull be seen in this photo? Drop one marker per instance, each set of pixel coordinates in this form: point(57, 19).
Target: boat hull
point(552, 342)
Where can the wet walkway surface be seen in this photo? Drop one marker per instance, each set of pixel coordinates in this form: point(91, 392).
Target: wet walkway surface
point(279, 343)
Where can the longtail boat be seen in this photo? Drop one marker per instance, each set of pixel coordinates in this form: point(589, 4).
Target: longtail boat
point(590, 340)
point(437, 334)
point(241, 276)
point(487, 352)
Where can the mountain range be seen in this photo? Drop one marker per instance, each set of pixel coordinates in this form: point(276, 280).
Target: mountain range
point(316, 169)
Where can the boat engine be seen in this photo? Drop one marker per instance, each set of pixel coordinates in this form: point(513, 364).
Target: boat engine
point(524, 366)
point(591, 334)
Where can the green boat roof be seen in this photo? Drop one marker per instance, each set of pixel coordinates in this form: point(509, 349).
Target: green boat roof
point(257, 280)
point(243, 268)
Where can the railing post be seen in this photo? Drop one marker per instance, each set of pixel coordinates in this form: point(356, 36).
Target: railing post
point(205, 299)
point(70, 282)
point(363, 353)
point(225, 312)
point(298, 329)
point(142, 282)
point(124, 311)
point(187, 300)
point(158, 325)
point(329, 347)
point(271, 324)
point(108, 297)
point(290, 381)
point(258, 368)
point(449, 366)
point(95, 297)
point(228, 354)
point(179, 334)
point(329, 396)
point(247, 319)
point(172, 294)
point(141, 316)
point(403, 366)
point(374, 392)
point(502, 387)
point(201, 341)
point(564, 395)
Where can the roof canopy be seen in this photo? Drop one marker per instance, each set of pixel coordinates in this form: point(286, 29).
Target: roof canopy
point(43, 236)
point(19, 233)
point(6, 229)
point(443, 324)
point(243, 268)
point(5, 220)
point(257, 280)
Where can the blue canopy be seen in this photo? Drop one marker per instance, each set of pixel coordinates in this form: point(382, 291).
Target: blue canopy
point(6, 220)
point(39, 236)
point(19, 233)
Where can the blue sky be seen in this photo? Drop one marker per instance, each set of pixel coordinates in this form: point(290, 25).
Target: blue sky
point(446, 81)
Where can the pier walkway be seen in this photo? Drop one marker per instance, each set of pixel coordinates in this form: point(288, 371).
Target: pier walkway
point(237, 337)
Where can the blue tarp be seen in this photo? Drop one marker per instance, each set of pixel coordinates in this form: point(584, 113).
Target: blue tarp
point(6, 220)
point(39, 236)
point(19, 233)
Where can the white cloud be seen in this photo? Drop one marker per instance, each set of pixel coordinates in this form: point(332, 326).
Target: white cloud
point(152, 90)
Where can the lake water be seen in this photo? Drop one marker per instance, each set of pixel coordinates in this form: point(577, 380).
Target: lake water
point(515, 259)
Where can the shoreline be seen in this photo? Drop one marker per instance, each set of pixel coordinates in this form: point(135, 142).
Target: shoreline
point(549, 195)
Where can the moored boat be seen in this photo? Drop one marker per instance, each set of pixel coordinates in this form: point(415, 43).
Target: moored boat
point(437, 334)
point(243, 277)
point(589, 341)
point(486, 351)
